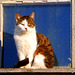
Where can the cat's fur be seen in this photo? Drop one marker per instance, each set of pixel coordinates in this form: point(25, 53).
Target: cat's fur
point(31, 46)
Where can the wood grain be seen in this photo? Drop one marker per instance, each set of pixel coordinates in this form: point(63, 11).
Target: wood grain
point(73, 33)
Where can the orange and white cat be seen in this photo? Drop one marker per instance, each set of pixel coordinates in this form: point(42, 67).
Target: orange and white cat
point(33, 48)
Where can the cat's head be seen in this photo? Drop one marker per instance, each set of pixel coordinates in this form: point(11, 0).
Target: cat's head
point(25, 23)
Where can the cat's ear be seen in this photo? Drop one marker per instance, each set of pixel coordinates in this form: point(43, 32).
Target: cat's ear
point(18, 16)
point(32, 15)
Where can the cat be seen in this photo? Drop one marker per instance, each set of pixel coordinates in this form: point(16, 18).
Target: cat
point(34, 49)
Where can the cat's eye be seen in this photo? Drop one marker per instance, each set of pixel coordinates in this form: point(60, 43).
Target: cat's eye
point(22, 24)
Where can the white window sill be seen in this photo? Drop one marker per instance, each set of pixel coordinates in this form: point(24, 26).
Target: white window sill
point(52, 70)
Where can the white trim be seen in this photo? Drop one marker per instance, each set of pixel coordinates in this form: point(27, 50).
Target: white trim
point(10, 2)
point(42, 71)
point(64, 0)
point(33, 1)
point(1, 30)
point(1, 25)
point(41, 1)
point(73, 33)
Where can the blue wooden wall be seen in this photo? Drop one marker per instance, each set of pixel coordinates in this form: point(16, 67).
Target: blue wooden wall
point(53, 20)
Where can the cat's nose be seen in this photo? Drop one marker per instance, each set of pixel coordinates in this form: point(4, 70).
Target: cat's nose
point(26, 29)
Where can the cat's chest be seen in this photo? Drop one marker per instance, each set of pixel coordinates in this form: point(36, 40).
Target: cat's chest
point(25, 41)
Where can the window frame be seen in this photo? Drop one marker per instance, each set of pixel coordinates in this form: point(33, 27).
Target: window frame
point(9, 2)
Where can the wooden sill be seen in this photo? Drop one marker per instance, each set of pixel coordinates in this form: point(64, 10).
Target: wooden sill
point(52, 70)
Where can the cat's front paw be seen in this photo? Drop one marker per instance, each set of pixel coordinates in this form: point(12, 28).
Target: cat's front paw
point(22, 67)
point(28, 66)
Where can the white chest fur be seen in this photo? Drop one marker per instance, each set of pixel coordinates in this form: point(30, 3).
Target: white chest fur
point(26, 44)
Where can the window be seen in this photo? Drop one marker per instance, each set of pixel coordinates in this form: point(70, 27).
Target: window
point(55, 19)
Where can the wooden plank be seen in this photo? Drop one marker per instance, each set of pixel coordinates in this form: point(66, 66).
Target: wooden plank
point(33, 1)
point(14, 1)
point(1, 31)
point(37, 0)
point(64, 0)
point(1, 25)
point(52, 70)
point(0, 20)
point(52, 1)
point(10, 2)
point(0, 34)
point(73, 33)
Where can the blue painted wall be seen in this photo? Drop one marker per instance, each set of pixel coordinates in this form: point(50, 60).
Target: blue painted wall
point(54, 21)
